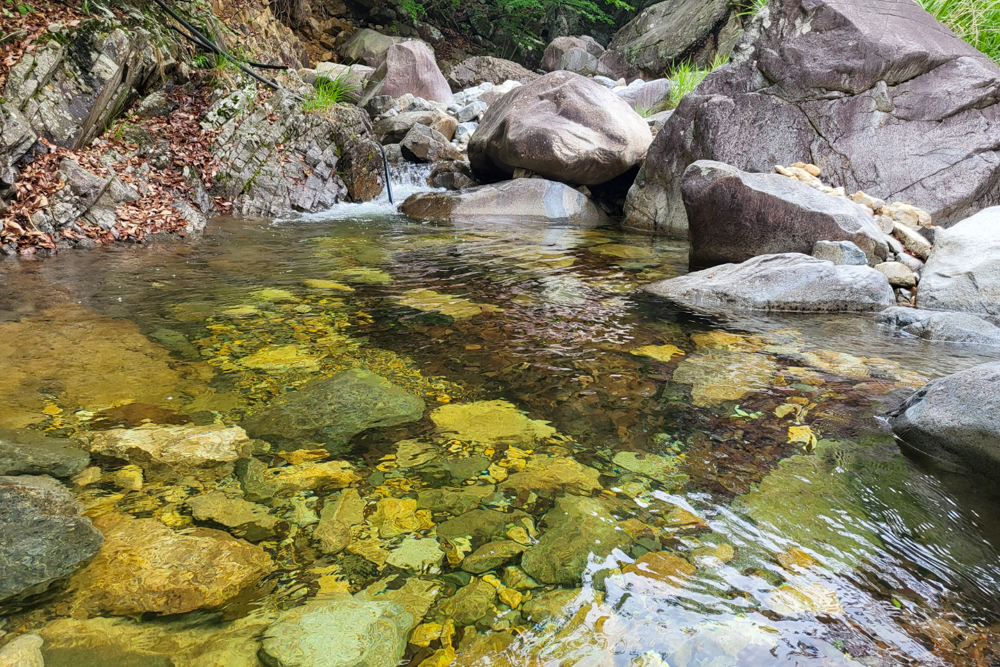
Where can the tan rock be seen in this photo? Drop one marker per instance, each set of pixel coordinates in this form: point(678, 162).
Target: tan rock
point(489, 422)
point(175, 449)
point(661, 566)
point(399, 516)
point(912, 240)
point(907, 214)
point(551, 475)
point(24, 651)
point(309, 476)
point(146, 567)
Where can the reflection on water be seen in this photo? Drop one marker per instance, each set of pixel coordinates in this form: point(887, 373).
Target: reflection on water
point(597, 480)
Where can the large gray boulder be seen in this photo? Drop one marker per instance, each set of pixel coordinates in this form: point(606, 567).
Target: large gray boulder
point(43, 535)
point(368, 47)
point(734, 215)
point(963, 270)
point(574, 54)
point(563, 127)
point(788, 282)
point(24, 452)
point(881, 96)
point(391, 130)
point(333, 410)
point(525, 200)
point(424, 144)
point(955, 419)
point(668, 33)
point(409, 67)
point(487, 69)
point(939, 325)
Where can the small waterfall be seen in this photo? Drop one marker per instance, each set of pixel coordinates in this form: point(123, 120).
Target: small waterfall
point(408, 178)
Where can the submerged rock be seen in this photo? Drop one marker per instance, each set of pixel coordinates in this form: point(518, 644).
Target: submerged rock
point(25, 452)
point(244, 519)
point(720, 375)
point(146, 567)
point(553, 475)
point(489, 422)
point(952, 327)
point(525, 200)
point(963, 271)
point(470, 604)
point(788, 282)
point(24, 651)
point(577, 528)
point(349, 632)
point(772, 105)
point(563, 127)
point(333, 410)
point(735, 215)
point(955, 419)
point(43, 535)
point(174, 450)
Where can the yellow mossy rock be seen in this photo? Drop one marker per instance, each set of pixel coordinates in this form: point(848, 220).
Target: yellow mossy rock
point(796, 560)
point(399, 516)
point(720, 375)
point(435, 302)
point(489, 422)
point(319, 283)
point(811, 598)
point(802, 435)
point(274, 295)
point(658, 352)
point(661, 566)
point(281, 358)
point(622, 251)
point(308, 476)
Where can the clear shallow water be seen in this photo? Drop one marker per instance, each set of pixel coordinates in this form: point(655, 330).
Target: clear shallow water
point(816, 541)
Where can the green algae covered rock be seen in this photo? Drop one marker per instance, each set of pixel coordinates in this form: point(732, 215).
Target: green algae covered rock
point(577, 528)
point(337, 633)
point(333, 410)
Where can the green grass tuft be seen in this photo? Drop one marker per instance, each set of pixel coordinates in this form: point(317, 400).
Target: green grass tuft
point(685, 77)
point(975, 21)
point(331, 92)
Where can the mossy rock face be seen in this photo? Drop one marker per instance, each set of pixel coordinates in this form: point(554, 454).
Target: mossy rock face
point(333, 410)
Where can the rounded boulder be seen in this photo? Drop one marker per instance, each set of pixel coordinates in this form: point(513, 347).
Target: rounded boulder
point(563, 127)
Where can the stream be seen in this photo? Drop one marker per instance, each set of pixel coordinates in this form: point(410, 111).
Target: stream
point(766, 515)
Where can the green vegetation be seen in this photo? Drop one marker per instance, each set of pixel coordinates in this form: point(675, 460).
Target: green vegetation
point(685, 77)
point(331, 92)
point(514, 20)
point(9, 8)
point(975, 21)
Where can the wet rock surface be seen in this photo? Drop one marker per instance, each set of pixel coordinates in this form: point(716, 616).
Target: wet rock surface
point(43, 535)
point(788, 282)
point(146, 567)
point(952, 327)
point(332, 411)
point(576, 528)
point(955, 419)
point(734, 215)
point(24, 452)
point(525, 200)
point(337, 633)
